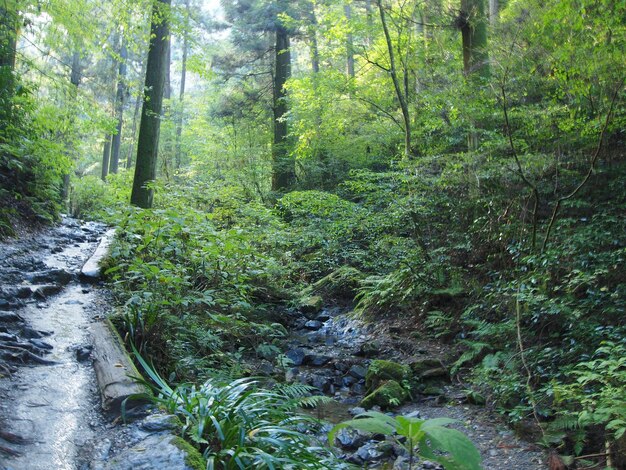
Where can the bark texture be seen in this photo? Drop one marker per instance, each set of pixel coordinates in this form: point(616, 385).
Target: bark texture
point(148, 141)
point(283, 165)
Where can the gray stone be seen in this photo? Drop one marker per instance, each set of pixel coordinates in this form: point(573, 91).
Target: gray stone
point(357, 371)
point(42, 292)
point(10, 317)
point(316, 360)
point(348, 438)
point(296, 356)
point(313, 325)
point(158, 423)
point(157, 451)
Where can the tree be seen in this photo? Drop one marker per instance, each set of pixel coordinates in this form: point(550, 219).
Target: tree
point(283, 164)
point(148, 141)
point(473, 27)
point(120, 100)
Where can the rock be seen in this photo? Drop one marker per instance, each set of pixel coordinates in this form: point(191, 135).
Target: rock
point(357, 410)
point(357, 371)
point(321, 382)
point(311, 305)
point(348, 381)
point(8, 337)
point(316, 360)
point(418, 366)
point(23, 292)
point(296, 356)
point(291, 374)
point(11, 304)
point(341, 366)
point(387, 395)
point(349, 438)
point(433, 391)
point(382, 370)
point(53, 276)
point(40, 344)
point(31, 333)
point(357, 389)
point(159, 422)
point(45, 291)
point(324, 316)
point(265, 368)
point(369, 349)
point(157, 451)
point(83, 353)
point(370, 452)
point(313, 325)
point(10, 317)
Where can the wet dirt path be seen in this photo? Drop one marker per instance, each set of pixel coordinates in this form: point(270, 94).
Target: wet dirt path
point(49, 413)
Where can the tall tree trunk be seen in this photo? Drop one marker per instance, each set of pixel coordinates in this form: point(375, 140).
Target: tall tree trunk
point(474, 35)
point(313, 45)
point(283, 165)
point(399, 88)
point(166, 147)
point(494, 11)
point(75, 78)
point(181, 95)
point(120, 99)
point(148, 142)
point(106, 155)
point(349, 41)
point(132, 148)
point(370, 21)
point(9, 22)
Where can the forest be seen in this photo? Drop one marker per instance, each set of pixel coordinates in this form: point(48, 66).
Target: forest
point(332, 204)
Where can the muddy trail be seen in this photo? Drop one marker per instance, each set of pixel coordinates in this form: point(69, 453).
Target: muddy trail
point(50, 405)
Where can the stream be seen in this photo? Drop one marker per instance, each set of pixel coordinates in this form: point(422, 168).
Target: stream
point(50, 412)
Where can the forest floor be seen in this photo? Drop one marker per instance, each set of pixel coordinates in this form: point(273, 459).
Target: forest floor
point(50, 415)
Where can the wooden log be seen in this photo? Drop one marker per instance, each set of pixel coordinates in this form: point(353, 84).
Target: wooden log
point(91, 269)
point(114, 369)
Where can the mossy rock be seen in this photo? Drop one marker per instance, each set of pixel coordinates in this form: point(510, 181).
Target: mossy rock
point(381, 370)
point(193, 458)
point(311, 305)
point(389, 394)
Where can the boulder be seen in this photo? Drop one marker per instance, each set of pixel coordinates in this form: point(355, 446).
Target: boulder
point(381, 370)
point(311, 305)
point(389, 394)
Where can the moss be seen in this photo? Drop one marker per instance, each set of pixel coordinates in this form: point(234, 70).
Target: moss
point(312, 304)
point(389, 394)
point(193, 458)
point(381, 370)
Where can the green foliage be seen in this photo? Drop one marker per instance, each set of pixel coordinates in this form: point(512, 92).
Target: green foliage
point(427, 439)
point(237, 425)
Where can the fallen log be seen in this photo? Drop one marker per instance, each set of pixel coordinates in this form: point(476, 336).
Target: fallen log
point(114, 369)
point(91, 269)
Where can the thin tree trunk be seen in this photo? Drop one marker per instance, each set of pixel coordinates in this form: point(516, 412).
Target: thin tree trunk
point(283, 165)
point(400, 95)
point(119, 108)
point(181, 95)
point(75, 77)
point(349, 41)
point(9, 19)
point(139, 101)
point(148, 142)
point(370, 21)
point(313, 45)
point(494, 11)
point(106, 154)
